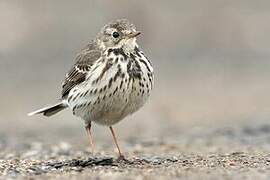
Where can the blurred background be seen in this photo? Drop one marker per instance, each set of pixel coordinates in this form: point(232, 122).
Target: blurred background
point(211, 61)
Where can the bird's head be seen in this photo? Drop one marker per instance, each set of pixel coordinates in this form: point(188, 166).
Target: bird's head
point(119, 34)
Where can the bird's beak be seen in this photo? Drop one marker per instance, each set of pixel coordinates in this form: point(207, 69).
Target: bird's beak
point(133, 34)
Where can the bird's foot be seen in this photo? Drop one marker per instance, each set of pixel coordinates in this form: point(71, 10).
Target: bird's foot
point(122, 159)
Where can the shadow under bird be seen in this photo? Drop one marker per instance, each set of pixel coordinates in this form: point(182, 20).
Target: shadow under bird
point(111, 78)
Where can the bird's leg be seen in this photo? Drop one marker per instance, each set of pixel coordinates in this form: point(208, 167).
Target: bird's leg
point(89, 133)
point(116, 143)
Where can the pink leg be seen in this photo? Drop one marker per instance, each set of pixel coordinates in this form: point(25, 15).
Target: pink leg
point(89, 133)
point(116, 143)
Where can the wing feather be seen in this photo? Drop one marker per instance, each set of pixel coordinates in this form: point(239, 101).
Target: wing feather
point(84, 61)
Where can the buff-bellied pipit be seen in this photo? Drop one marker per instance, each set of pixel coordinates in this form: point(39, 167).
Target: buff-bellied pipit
point(111, 79)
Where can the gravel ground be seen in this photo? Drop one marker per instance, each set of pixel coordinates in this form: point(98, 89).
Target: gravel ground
point(227, 153)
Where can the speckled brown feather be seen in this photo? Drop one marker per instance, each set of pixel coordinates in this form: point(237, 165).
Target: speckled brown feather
point(84, 60)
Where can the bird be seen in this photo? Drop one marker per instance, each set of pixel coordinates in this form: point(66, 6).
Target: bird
point(110, 79)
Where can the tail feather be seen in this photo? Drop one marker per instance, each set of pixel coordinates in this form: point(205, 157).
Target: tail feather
point(49, 110)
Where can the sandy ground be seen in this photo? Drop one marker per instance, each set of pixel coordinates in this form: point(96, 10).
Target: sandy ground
point(240, 152)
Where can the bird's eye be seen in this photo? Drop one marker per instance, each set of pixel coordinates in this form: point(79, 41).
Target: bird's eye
point(115, 34)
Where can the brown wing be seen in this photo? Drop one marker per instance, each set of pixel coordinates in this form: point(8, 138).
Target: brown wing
point(84, 60)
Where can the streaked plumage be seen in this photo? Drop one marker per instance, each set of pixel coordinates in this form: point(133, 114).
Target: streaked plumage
point(111, 78)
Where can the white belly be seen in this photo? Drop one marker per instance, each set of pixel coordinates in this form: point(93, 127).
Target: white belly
point(111, 107)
